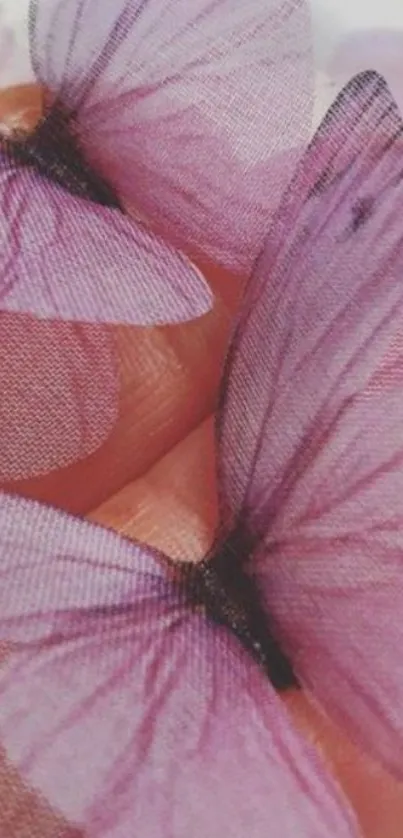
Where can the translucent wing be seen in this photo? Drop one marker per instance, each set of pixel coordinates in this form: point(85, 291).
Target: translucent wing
point(59, 385)
point(66, 258)
point(311, 441)
point(194, 111)
point(127, 711)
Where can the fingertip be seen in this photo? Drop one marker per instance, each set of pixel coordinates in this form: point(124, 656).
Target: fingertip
point(21, 108)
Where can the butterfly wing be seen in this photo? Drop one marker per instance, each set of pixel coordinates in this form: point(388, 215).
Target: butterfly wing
point(60, 393)
point(126, 710)
point(310, 431)
point(193, 111)
point(66, 258)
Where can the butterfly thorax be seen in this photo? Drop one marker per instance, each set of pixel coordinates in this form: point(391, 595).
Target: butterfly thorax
point(53, 149)
point(229, 595)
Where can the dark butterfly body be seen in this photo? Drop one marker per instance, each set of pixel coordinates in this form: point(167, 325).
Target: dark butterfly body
point(224, 586)
point(54, 151)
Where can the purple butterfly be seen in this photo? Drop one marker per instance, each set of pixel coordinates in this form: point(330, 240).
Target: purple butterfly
point(128, 710)
point(135, 695)
point(146, 109)
point(195, 112)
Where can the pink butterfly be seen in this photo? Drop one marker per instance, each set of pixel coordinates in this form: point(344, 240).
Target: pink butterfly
point(147, 109)
point(129, 710)
point(186, 108)
point(127, 699)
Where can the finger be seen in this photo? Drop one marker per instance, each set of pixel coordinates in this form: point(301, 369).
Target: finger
point(173, 506)
point(375, 795)
point(23, 814)
point(20, 108)
point(169, 378)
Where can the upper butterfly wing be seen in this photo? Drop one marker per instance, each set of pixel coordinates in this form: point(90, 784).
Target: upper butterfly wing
point(311, 424)
point(194, 111)
point(127, 711)
point(62, 257)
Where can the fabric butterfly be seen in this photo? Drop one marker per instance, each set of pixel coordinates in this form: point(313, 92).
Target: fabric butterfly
point(140, 111)
point(126, 698)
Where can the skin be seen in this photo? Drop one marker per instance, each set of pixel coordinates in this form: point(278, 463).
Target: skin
point(154, 480)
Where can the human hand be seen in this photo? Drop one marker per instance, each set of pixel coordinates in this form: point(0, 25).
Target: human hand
point(154, 480)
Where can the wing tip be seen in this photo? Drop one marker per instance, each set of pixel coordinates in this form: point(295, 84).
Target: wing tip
point(359, 94)
point(198, 296)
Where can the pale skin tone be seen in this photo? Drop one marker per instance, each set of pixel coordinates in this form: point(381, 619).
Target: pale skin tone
point(159, 486)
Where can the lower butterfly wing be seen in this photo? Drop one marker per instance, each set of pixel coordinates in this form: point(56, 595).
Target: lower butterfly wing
point(66, 258)
point(127, 711)
point(59, 385)
point(182, 106)
point(311, 443)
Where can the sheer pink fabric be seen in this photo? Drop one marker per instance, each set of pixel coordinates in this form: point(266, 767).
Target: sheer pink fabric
point(137, 695)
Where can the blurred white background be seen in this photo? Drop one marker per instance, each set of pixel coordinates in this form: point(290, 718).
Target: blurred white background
point(355, 35)
point(15, 67)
